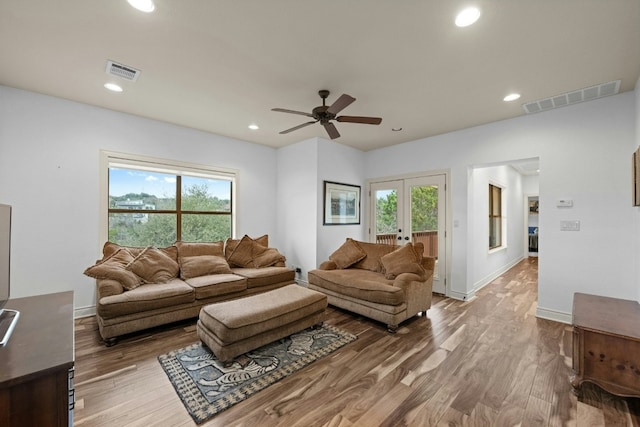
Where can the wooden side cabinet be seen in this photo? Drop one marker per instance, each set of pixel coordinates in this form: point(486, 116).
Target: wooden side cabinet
point(36, 365)
point(606, 344)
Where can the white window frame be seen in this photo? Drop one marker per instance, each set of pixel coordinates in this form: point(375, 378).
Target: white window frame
point(115, 159)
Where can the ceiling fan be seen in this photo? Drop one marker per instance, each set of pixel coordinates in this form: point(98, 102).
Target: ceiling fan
point(324, 114)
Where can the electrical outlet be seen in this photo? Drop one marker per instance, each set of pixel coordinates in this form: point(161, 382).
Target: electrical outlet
point(298, 270)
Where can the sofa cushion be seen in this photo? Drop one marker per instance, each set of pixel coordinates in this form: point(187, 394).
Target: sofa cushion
point(347, 254)
point(403, 260)
point(265, 276)
point(154, 266)
point(203, 265)
point(251, 254)
point(146, 297)
point(114, 267)
point(361, 284)
point(374, 252)
point(187, 249)
point(230, 244)
point(214, 285)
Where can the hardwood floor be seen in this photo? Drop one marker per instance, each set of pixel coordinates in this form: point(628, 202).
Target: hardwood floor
point(488, 362)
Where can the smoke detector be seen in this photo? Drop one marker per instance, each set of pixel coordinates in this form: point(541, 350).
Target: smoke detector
point(123, 71)
point(580, 95)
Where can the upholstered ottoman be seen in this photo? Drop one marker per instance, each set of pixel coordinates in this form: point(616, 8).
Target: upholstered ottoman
point(231, 328)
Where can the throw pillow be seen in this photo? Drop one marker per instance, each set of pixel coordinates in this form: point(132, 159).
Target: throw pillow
point(266, 257)
point(347, 254)
point(203, 265)
point(114, 267)
point(188, 249)
point(110, 248)
point(398, 261)
point(242, 255)
point(154, 266)
point(230, 244)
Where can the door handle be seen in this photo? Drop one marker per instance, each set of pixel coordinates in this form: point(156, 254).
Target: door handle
point(406, 238)
point(399, 237)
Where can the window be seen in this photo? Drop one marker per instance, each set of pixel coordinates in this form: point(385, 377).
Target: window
point(156, 202)
point(495, 216)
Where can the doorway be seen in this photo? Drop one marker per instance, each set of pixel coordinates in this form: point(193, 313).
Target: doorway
point(412, 209)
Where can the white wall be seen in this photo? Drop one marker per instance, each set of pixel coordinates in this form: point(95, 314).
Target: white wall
point(296, 205)
point(49, 155)
point(489, 264)
point(338, 163)
point(584, 153)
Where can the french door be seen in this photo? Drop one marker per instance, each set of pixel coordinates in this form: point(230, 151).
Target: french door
point(412, 210)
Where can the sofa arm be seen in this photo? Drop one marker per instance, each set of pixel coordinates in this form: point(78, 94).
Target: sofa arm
point(107, 287)
point(328, 265)
point(417, 290)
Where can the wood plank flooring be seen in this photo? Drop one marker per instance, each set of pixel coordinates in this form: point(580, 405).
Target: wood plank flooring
point(488, 362)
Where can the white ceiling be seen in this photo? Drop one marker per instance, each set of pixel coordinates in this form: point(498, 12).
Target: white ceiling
point(221, 65)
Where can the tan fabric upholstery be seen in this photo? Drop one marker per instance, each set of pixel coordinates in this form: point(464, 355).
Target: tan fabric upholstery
point(187, 249)
point(114, 267)
point(402, 260)
point(258, 277)
point(374, 252)
point(121, 311)
point(234, 327)
point(361, 284)
point(154, 266)
point(203, 265)
point(146, 297)
point(216, 285)
point(347, 254)
point(364, 289)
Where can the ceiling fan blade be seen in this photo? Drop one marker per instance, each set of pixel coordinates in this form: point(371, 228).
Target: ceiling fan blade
point(283, 110)
point(331, 130)
point(357, 119)
point(341, 103)
point(297, 127)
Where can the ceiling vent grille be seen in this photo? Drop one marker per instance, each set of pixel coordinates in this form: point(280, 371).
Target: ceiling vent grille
point(580, 95)
point(122, 71)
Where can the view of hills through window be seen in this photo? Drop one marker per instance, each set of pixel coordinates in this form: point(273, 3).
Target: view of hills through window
point(156, 208)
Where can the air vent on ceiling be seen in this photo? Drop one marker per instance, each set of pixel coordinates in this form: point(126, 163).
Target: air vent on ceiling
point(123, 71)
point(580, 95)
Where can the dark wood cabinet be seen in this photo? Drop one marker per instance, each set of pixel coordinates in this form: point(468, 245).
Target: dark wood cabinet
point(606, 344)
point(36, 365)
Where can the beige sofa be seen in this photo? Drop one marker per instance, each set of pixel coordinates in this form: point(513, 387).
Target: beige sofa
point(386, 283)
point(139, 288)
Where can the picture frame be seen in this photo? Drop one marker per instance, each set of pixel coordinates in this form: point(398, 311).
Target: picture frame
point(341, 203)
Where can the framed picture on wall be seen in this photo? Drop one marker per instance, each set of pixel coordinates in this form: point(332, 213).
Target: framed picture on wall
point(341, 203)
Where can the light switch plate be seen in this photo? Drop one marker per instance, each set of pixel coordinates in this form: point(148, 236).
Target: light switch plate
point(572, 225)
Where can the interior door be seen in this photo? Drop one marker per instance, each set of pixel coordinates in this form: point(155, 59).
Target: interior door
point(412, 210)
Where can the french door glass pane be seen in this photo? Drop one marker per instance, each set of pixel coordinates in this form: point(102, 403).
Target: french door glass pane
point(142, 229)
point(205, 228)
point(424, 218)
point(386, 216)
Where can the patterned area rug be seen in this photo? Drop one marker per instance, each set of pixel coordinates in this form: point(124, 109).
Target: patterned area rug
point(206, 387)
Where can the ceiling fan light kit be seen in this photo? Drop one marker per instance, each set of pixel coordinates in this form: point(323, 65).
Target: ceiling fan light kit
point(325, 114)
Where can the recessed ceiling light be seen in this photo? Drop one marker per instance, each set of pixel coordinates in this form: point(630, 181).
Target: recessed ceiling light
point(511, 97)
point(143, 5)
point(467, 17)
point(113, 87)
point(254, 126)
point(396, 129)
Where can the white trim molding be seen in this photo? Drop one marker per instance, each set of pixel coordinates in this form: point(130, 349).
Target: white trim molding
point(556, 316)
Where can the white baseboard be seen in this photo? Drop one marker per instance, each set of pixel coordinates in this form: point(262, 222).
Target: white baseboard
point(556, 316)
point(84, 312)
point(493, 276)
point(461, 296)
